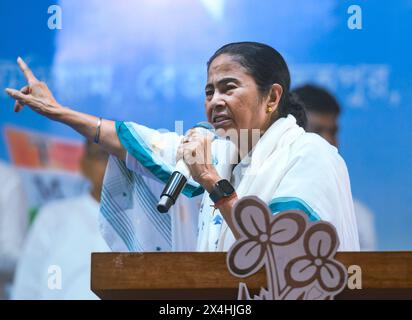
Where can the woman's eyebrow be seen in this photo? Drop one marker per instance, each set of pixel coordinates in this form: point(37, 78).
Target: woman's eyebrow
point(209, 86)
point(227, 80)
point(223, 81)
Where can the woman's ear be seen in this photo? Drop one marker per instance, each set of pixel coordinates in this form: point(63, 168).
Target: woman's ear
point(275, 94)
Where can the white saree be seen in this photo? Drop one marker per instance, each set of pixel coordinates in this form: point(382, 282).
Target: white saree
point(288, 169)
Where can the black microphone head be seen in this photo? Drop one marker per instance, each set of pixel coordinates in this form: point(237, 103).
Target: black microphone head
point(164, 204)
point(171, 191)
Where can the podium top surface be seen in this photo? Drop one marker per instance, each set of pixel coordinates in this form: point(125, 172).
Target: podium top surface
point(201, 275)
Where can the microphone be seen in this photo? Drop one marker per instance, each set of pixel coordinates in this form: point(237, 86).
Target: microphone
point(179, 177)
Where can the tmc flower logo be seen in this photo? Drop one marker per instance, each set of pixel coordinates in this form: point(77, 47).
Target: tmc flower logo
point(259, 233)
point(308, 270)
point(318, 264)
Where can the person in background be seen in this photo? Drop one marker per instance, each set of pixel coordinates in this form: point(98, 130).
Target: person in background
point(323, 111)
point(55, 263)
point(13, 224)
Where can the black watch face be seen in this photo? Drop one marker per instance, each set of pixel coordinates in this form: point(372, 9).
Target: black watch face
point(226, 187)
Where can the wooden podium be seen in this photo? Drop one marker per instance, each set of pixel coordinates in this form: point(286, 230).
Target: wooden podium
point(195, 275)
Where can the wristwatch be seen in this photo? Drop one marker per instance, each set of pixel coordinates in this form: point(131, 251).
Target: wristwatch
point(222, 189)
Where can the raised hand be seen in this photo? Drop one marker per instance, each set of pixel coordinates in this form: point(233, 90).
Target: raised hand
point(35, 94)
point(39, 98)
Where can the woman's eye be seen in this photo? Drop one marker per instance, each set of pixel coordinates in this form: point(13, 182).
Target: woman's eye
point(230, 87)
point(209, 93)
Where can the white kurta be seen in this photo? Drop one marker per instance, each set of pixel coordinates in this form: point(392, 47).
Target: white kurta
point(288, 169)
point(62, 238)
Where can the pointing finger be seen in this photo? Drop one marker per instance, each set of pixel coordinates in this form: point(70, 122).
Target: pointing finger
point(28, 74)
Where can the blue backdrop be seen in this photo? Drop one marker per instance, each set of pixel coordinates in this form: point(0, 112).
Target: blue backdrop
point(144, 61)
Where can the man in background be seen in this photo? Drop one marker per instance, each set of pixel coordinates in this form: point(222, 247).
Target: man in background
point(55, 263)
point(13, 224)
point(323, 112)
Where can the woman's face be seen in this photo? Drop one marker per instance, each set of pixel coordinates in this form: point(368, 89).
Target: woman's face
point(232, 97)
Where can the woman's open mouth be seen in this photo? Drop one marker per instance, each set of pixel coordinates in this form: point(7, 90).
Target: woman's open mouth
point(221, 121)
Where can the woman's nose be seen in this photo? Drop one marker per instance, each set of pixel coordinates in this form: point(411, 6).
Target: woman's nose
point(216, 101)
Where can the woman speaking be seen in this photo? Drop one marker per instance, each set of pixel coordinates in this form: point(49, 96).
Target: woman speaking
point(246, 97)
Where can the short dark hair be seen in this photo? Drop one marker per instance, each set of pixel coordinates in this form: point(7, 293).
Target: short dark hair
point(267, 67)
point(317, 99)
